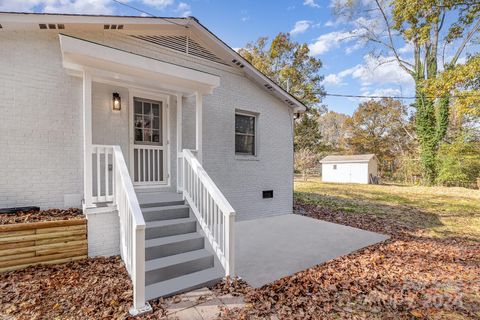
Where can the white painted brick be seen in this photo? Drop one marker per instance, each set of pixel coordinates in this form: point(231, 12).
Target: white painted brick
point(41, 126)
point(103, 233)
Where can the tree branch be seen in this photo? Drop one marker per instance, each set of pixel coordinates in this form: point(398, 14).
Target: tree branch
point(464, 43)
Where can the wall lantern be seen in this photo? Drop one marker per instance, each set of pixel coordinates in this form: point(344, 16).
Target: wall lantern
point(116, 102)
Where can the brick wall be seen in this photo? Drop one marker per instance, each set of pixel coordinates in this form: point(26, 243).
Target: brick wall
point(34, 87)
point(103, 233)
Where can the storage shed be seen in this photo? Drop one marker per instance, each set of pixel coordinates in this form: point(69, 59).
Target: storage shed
point(361, 168)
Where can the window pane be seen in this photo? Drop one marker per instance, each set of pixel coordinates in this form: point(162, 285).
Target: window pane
point(245, 144)
point(244, 124)
point(138, 135)
point(138, 107)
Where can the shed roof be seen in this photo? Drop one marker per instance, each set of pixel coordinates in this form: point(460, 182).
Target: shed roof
point(348, 158)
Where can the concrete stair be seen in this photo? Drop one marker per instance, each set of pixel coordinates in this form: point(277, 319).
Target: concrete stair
point(178, 258)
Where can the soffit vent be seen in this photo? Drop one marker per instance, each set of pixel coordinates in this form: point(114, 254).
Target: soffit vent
point(1, 27)
point(113, 26)
point(238, 63)
point(51, 26)
point(182, 44)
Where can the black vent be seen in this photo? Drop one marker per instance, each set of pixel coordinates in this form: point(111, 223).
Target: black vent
point(51, 26)
point(42, 26)
point(267, 194)
point(1, 27)
point(112, 26)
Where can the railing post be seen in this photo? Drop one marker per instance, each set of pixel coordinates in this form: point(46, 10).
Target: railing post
point(230, 246)
point(140, 306)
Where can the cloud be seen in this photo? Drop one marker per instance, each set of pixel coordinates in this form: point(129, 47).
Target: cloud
point(381, 92)
point(333, 79)
point(300, 27)
point(311, 3)
point(184, 9)
point(373, 72)
point(329, 41)
point(59, 6)
point(160, 4)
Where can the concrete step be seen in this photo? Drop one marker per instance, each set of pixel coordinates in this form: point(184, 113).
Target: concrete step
point(161, 204)
point(178, 265)
point(166, 228)
point(191, 281)
point(166, 212)
point(168, 246)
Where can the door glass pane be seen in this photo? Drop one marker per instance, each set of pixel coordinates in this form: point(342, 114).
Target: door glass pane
point(156, 123)
point(138, 135)
point(156, 136)
point(147, 121)
point(155, 109)
point(138, 121)
point(138, 107)
point(147, 135)
point(147, 108)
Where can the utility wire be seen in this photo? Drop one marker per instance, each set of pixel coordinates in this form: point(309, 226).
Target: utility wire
point(392, 97)
point(148, 13)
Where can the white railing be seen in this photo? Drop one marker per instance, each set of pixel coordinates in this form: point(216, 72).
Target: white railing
point(102, 173)
point(132, 224)
point(149, 165)
point(214, 213)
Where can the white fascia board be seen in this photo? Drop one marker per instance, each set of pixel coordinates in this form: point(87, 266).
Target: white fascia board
point(250, 70)
point(13, 17)
point(86, 54)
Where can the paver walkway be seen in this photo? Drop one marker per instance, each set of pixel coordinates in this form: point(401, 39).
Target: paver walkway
point(201, 304)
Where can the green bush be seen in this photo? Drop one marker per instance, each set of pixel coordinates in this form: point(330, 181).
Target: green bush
point(459, 162)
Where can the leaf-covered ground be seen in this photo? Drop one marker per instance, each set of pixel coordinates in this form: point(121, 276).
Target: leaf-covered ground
point(96, 288)
point(43, 215)
point(429, 269)
point(420, 273)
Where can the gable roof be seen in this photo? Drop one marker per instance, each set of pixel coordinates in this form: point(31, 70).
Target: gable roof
point(348, 158)
point(132, 25)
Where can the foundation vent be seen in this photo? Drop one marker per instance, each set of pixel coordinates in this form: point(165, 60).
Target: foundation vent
point(182, 44)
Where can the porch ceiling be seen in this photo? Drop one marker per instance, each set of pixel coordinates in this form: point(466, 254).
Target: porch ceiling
point(111, 64)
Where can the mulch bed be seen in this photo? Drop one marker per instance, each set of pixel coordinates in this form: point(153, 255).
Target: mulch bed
point(38, 216)
point(94, 288)
point(409, 276)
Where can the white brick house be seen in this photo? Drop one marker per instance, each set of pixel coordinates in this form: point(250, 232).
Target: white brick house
point(194, 122)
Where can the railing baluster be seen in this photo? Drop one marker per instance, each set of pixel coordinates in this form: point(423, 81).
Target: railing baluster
point(107, 191)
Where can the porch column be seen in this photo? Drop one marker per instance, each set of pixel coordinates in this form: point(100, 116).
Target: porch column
point(87, 139)
point(179, 144)
point(199, 125)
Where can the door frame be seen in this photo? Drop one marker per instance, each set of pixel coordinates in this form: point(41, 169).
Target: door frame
point(165, 99)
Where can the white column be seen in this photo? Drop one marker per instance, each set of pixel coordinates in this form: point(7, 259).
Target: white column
point(87, 139)
point(199, 125)
point(179, 144)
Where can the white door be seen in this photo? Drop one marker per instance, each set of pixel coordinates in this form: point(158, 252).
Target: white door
point(149, 148)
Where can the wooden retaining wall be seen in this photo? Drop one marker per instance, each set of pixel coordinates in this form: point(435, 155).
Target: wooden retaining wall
point(49, 242)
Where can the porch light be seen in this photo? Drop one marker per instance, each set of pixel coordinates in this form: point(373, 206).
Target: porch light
point(116, 102)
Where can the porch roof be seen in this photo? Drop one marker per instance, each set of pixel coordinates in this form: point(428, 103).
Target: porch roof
point(117, 65)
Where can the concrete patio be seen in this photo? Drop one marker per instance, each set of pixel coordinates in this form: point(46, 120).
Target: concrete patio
point(270, 248)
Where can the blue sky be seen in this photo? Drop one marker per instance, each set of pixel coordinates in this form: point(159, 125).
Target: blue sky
point(347, 67)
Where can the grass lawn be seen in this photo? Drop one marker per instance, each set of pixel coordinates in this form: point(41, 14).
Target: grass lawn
point(438, 211)
point(428, 269)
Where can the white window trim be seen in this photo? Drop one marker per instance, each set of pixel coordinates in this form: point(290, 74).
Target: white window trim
point(248, 157)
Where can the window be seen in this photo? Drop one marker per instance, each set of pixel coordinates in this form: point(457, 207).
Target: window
point(334, 167)
point(245, 127)
point(148, 121)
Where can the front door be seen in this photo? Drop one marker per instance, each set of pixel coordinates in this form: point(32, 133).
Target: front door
point(149, 152)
